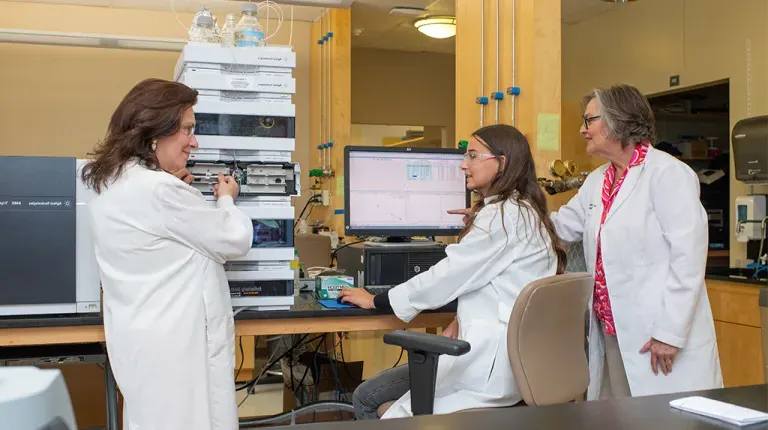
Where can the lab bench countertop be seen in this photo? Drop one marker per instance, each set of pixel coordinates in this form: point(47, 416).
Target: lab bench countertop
point(739, 276)
point(305, 306)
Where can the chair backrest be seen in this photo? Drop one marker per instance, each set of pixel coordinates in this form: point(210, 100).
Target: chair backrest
point(545, 339)
point(314, 249)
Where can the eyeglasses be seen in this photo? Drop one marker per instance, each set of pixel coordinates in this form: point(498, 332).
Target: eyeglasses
point(589, 119)
point(471, 157)
point(188, 130)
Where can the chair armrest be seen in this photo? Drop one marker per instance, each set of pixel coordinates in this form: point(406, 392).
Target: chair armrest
point(429, 343)
point(424, 351)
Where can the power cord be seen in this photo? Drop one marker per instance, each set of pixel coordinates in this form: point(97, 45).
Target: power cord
point(321, 406)
point(311, 200)
point(253, 381)
point(399, 358)
point(343, 360)
point(242, 357)
point(335, 251)
point(306, 368)
point(334, 365)
point(269, 365)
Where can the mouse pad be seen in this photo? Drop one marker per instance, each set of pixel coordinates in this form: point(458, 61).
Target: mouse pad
point(333, 304)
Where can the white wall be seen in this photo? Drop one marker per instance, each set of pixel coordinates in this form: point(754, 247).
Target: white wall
point(372, 135)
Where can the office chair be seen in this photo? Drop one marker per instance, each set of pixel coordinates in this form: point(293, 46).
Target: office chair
point(545, 343)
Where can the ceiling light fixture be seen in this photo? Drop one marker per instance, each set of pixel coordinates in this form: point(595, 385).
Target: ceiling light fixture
point(438, 27)
point(618, 1)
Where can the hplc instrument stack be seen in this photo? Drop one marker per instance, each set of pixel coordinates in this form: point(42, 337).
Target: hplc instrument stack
point(246, 128)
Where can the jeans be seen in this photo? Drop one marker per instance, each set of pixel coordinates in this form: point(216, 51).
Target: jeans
point(387, 386)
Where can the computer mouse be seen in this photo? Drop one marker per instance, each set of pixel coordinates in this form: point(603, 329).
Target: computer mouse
point(338, 300)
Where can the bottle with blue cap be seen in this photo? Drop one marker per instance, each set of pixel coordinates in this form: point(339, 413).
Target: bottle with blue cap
point(249, 31)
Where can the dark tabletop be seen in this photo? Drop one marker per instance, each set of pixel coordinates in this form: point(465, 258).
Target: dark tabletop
point(741, 276)
point(305, 307)
point(640, 413)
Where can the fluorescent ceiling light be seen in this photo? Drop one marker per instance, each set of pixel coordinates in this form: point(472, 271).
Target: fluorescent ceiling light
point(438, 27)
point(91, 40)
point(338, 4)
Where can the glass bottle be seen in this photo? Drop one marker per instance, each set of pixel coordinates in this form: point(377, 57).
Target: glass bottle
point(228, 31)
point(203, 31)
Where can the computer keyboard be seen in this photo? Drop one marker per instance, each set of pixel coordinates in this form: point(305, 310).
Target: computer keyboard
point(377, 290)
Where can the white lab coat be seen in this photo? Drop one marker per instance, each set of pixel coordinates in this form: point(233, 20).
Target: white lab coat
point(486, 272)
point(167, 313)
point(654, 245)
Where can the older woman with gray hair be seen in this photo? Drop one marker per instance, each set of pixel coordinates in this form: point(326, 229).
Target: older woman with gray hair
point(644, 233)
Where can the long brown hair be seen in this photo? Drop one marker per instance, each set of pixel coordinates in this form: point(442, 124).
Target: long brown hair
point(152, 109)
point(517, 181)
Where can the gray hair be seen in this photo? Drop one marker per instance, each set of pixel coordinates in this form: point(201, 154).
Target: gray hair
point(626, 113)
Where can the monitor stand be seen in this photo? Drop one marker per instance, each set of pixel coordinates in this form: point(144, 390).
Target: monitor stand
point(401, 242)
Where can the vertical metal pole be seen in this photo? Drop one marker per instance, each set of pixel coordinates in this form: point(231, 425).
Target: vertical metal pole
point(497, 60)
point(330, 92)
point(514, 58)
point(482, 60)
point(321, 94)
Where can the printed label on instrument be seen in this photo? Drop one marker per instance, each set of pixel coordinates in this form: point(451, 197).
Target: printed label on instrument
point(36, 203)
point(239, 83)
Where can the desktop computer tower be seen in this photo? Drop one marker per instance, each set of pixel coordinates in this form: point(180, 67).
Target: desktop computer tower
point(387, 265)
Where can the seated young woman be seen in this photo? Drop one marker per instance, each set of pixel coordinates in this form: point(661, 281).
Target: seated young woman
point(508, 243)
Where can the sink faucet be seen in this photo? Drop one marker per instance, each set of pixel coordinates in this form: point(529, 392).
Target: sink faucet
point(740, 224)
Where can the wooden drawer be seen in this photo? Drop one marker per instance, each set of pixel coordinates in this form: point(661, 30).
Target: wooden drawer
point(734, 303)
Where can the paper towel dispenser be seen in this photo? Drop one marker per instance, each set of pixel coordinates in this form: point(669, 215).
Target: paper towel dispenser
point(750, 149)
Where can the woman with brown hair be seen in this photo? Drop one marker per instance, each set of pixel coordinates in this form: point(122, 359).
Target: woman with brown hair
point(509, 243)
point(160, 247)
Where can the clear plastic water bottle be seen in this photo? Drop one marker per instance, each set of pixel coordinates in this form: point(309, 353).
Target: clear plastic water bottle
point(228, 31)
point(203, 31)
point(249, 31)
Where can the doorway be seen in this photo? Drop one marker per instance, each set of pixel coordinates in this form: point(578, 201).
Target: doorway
point(693, 124)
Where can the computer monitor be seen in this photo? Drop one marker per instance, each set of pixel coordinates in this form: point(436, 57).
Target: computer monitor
point(403, 192)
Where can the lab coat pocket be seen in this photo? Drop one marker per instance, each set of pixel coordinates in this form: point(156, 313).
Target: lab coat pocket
point(472, 371)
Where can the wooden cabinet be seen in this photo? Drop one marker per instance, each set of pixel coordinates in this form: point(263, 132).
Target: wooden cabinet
point(736, 312)
point(741, 354)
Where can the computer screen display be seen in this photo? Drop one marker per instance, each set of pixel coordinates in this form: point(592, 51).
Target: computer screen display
point(272, 233)
point(404, 192)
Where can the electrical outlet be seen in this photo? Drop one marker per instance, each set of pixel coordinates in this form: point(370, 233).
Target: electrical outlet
point(674, 81)
point(323, 197)
point(326, 197)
